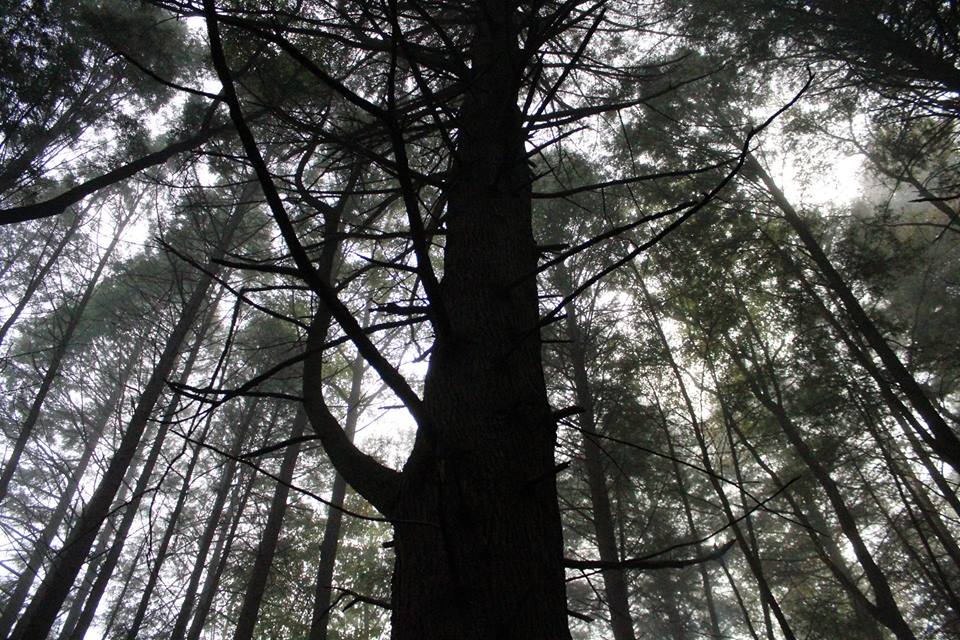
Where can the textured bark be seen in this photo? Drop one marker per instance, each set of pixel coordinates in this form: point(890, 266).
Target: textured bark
point(614, 580)
point(56, 358)
point(42, 611)
point(41, 548)
point(478, 541)
point(489, 564)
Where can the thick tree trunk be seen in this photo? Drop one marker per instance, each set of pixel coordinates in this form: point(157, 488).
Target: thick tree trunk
point(614, 580)
point(323, 593)
point(41, 548)
point(42, 611)
point(479, 547)
point(257, 583)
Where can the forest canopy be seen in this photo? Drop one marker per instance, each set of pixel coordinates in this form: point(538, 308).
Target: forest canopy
point(440, 320)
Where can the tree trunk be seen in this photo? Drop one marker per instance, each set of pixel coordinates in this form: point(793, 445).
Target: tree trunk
point(122, 596)
point(739, 598)
point(103, 540)
point(887, 608)
point(941, 437)
point(693, 531)
point(712, 615)
point(478, 539)
point(816, 528)
point(42, 611)
point(41, 547)
point(213, 520)
point(907, 421)
point(143, 484)
point(41, 274)
point(250, 609)
point(322, 600)
point(614, 580)
point(767, 598)
point(221, 554)
point(56, 358)
point(164, 546)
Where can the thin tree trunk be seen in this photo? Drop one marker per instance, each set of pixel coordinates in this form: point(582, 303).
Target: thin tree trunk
point(907, 421)
point(614, 581)
point(220, 556)
point(322, 600)
point(901, 472)
point(122, 596)
point(934, 580)
point(748, 522)
point(675, 621)
point(768, 599)
point(739, 598)
point(693, 531)
point(142, 486)
point(888, 610)
point(713, 617)
point(162, 550)
point(942, 440)
point(213, 520)
point(56, 358)
point(42, 611)
point(816, 528)
point(41, 547)
point(39, 276)
point(263, 560)
point(93, 564)
point(750, 553)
